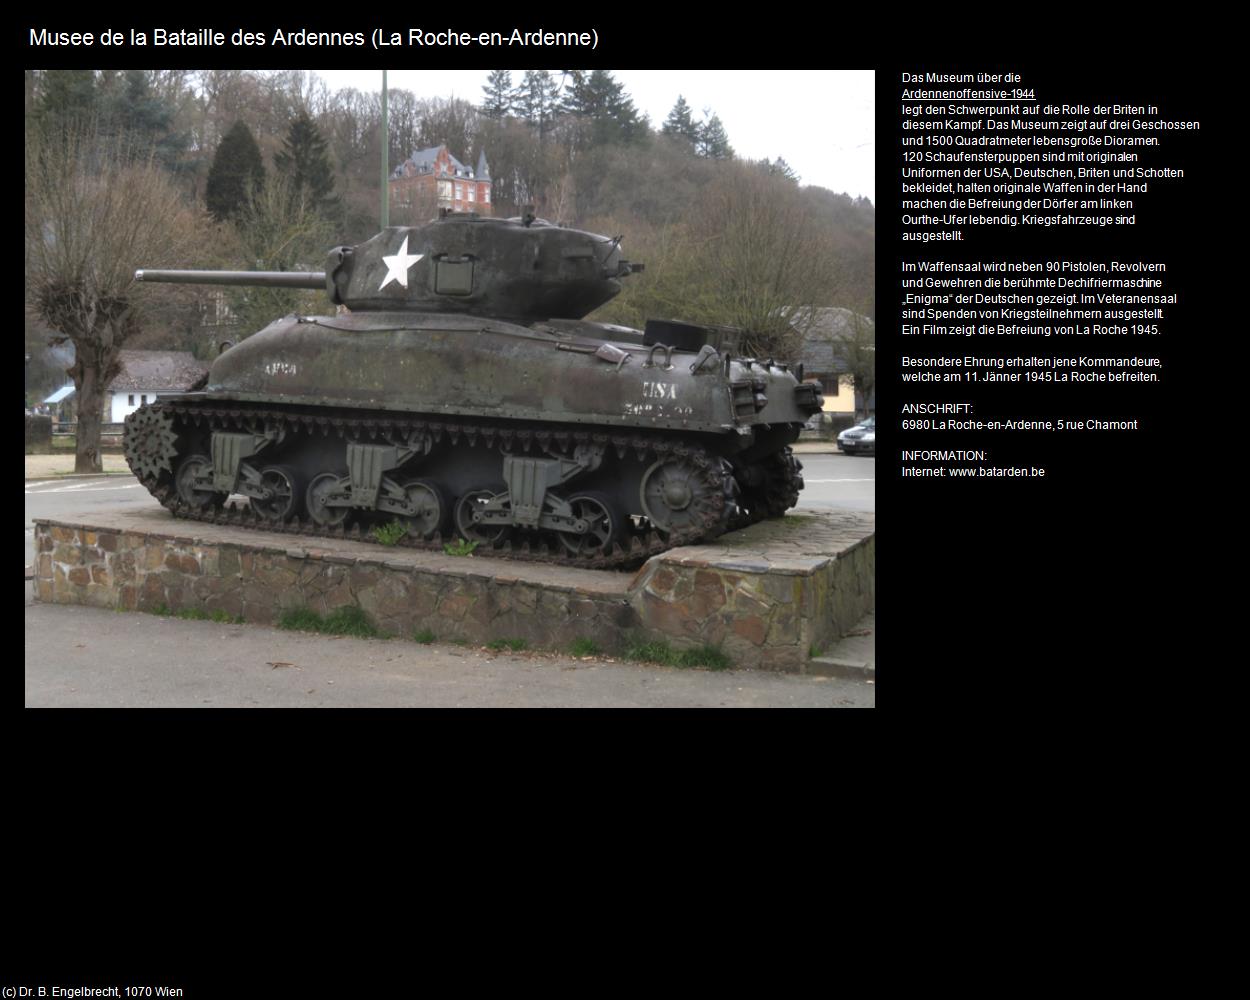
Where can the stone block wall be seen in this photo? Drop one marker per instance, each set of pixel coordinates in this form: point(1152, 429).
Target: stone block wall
point(760, 595)
point(763, 599)
point(136, 571)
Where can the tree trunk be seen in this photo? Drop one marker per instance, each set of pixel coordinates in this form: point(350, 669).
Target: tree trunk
point(87, 387)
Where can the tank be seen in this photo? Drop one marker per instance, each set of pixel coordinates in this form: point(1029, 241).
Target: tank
point(458, 395)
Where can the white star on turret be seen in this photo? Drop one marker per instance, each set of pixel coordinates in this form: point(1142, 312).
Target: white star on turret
point(397, 265)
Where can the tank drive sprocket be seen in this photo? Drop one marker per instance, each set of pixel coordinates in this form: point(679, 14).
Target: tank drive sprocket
point(150, 443)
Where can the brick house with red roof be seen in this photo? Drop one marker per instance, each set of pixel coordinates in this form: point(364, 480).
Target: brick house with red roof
point(432, 178)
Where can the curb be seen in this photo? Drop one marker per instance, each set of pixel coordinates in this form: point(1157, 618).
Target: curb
point(75, 475)
point(855, 670)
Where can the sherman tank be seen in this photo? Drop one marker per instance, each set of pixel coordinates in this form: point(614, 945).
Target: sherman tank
point(458, 394)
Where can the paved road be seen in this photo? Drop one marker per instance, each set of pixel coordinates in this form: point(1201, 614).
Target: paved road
point(839, 481)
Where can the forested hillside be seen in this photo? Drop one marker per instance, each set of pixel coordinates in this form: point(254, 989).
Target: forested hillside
point(270, 169)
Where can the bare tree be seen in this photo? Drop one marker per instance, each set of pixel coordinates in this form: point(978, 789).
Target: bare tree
point(95, 211)
point(280, 230)
point(747, 254)
point(767, 257)
point(856, 345)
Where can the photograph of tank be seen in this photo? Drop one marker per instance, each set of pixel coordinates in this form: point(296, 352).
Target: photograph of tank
point(546, 317)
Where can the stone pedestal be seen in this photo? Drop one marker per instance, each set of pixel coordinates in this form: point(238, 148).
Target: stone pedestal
point(767, 596)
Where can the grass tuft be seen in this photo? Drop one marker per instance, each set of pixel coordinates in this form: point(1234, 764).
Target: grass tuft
point(461, 547)
point(424, 636)
point(584, 647)
point(196, 614)
point(389, 534)
point(516, 645)
point(347, 620)
point(351, 620)
point(659, 652)
point(300, 620)
point(707, 657)
point(200, 615)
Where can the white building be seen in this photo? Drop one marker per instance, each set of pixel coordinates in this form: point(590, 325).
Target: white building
point(147, 375)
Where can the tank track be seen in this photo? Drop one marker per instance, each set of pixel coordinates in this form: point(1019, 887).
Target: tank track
point(780, 475)
point(642, 543)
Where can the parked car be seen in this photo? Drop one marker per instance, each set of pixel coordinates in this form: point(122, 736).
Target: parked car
point(860, 439)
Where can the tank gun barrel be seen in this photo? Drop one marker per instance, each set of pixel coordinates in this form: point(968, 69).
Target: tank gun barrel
point(265, 279)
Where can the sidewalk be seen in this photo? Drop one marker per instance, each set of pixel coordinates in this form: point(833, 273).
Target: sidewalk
point(815, 447)
point(62, 464)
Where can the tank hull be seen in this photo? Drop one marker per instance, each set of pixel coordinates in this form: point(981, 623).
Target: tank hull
point(448, 364)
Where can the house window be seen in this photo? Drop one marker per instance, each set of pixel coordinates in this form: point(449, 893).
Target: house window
point(472, 192)
point(130, 401)
point(829, 386)
point(486, 196)
point(459, 192)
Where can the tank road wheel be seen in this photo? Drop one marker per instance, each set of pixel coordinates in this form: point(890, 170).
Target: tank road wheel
point(284, 504)
point(469, 529)
point(605, 525)
point(431, 508)
point(193, 468)
point(149, 442)
point(315, 500)
point(674, 496)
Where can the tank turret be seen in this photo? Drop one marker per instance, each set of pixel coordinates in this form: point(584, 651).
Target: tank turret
point(521, 270)
point(462, 394)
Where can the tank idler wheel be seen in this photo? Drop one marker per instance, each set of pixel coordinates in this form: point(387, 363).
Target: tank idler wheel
point(284, 504)
point(315, 498)
point(469, 529)
point(192, 468)
point(432, 508)
point(605, 524)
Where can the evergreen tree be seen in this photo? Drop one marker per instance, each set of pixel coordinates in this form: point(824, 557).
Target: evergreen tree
point(780, 168)
point(680, 122)
point(537, 99)
point(498, 102)
point(713, 141)
point(237, 173)
point(130, 107)
point(304, 165)
point(601, 100)
point(67, 97)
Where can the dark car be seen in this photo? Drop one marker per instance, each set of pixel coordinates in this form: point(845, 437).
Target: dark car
point(860, 439)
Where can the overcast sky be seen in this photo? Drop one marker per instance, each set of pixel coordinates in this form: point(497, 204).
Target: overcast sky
point(820, 121)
